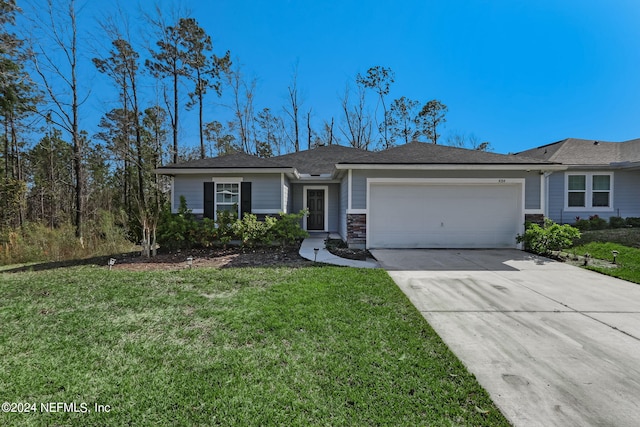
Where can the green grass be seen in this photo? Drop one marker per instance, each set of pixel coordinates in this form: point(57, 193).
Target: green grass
point(628, 259)
point(309, 346)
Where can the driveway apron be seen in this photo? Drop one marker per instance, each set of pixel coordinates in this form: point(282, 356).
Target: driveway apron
point(553, 344)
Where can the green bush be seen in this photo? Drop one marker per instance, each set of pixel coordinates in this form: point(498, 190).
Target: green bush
point(183, 230)
point(253, 232)
point(593, 223)
point(287, 230)
point(550, 237)
point(633, 221)
point(179, 230)
point(224, 224)
point(617, 222)
point(207, 232)
point(583, 224)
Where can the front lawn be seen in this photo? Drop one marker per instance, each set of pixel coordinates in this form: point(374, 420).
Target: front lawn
point(628, 259)
point(250, 346)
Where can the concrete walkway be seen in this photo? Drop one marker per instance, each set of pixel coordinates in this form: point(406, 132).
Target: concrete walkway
point(316, 241)
point(553, 344)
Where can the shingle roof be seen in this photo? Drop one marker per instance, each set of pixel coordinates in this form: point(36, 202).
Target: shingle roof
point(573, 151)
point(320, 160)
point(425, 153)
point(230, 161)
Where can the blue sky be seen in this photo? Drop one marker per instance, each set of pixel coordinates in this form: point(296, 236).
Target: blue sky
point(516, 73)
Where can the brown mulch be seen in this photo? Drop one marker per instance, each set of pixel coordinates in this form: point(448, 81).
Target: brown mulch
point(214, 257)
point(177, 260)
point(338, 248)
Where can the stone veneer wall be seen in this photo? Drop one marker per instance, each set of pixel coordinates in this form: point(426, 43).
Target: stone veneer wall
point(357, 230)
point(534, 218)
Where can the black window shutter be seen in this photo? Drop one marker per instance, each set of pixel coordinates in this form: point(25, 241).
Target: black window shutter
point(245, 198)
point(209, 198)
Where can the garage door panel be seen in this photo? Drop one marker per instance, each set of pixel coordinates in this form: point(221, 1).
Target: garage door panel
point(440, 216)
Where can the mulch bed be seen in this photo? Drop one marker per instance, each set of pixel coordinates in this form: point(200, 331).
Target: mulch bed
point(217, 257)
point(339, 248)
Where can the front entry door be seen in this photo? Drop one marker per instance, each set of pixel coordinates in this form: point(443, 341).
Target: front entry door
point(315, 204)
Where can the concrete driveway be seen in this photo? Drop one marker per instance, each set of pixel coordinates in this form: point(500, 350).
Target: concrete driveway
point(553, 344)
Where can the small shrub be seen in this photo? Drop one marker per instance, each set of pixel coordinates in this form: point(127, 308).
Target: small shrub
point(253, 232)
point(208, 233)
point(617, 222)
point(593, 223)
point(287, 229)
point(551, 237)
point(598, 223)
point(583, 224)
point(179, 230)
point(224, 222)
point(633, 221)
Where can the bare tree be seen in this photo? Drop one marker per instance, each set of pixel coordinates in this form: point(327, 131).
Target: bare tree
point(356, 125)
point(379, 79)
point(243, 122)
point(57, 27)
point(292, 111)
point(471, 141)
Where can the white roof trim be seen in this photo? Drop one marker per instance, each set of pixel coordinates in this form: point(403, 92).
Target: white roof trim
point(502, 167)
point(215, 171)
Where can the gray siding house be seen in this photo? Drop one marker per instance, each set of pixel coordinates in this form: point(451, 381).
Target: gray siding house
point(601, 178)
point(415, 195)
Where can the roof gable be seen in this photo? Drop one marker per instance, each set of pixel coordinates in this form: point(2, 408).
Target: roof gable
point(320, 160)
point(574, 151)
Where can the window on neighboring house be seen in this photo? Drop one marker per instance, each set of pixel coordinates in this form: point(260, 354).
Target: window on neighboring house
point(227, 197)
point(577, 191)
point(601, 190)
point(589, 191)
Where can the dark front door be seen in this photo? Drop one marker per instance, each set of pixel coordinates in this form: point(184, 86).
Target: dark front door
point(315, 203)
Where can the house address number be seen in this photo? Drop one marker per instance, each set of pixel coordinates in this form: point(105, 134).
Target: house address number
point(502, 181)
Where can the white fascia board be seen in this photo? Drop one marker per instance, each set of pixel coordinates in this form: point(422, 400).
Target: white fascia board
point(213, 171)
point(445, 181)
point(317, 179)
point(498, 167)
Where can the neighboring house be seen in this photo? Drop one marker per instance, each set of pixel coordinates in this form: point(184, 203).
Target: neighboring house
point(415, 195)
point(602, 178)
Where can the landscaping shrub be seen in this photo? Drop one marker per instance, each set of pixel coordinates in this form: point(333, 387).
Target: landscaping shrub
point(207, 232)
point(593, 223)
point(633, 221)
point(183, 230)
point(617, 222)
point(179, 230)
point(550, 237)
point(253, 232)
point(224, 224)
point(287, 230)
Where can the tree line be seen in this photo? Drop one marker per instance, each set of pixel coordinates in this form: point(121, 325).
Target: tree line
point(54, 171)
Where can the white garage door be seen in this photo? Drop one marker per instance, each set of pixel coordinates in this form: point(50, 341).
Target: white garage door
point(443, 215)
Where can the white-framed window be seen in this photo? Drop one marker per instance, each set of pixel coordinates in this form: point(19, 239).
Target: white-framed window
point(589, 191)
point(228, 196)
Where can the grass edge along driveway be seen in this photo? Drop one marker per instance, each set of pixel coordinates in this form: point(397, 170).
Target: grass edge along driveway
point(253, 346)
point(628, 259)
